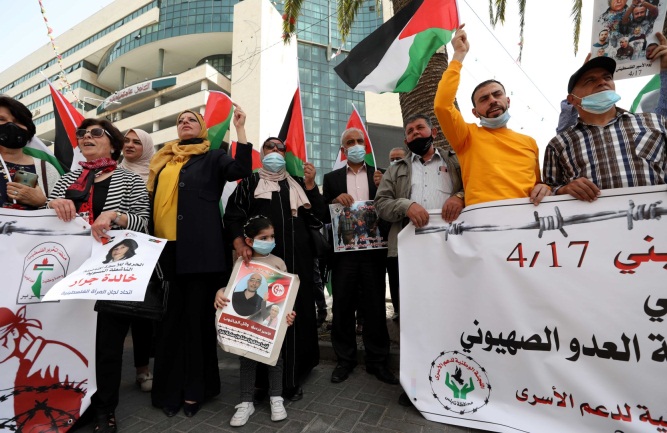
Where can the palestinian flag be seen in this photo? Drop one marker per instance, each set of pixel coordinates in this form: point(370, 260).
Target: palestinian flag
point(277, 289)
point(293, 134)
point(355, 122)
point(647, 98)
point(218, 116)
point(37, 149)
point(67, 121)
point(393, 57)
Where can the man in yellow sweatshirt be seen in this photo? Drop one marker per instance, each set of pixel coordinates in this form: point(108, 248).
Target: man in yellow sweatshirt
point(496, 162)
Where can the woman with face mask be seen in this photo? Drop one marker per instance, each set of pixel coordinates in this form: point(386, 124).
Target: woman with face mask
point(16, 130)
point(286, 201)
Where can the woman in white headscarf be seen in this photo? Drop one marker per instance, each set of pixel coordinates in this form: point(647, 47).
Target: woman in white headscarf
point(287, 201)
point(138, 150)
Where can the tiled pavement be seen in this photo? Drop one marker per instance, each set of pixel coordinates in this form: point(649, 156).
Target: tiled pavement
point(360, 404)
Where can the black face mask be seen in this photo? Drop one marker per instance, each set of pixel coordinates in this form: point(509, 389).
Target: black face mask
point(421, 145)
point(13, 137)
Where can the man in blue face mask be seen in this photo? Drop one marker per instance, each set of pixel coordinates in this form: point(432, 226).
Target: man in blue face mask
point(608, 147)
point(496, 162)
point(355, 270)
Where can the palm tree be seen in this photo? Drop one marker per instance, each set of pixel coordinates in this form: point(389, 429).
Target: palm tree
point(420, 99)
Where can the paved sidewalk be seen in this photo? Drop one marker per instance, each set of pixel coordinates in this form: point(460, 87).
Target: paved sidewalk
point(360, 404)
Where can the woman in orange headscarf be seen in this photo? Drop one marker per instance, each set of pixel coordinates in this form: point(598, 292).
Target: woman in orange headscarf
point(186, 179)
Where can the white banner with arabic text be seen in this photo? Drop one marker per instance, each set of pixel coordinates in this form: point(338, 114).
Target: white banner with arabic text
point(552, 318)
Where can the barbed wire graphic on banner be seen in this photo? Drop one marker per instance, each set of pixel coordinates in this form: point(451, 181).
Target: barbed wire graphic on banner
point(556, 222)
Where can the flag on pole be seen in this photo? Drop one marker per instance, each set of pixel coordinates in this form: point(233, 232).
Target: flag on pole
point(37, 149)
point(65, 145)
point(355, 122)
point(293, 133)
point(394, 56)
point(647, 97)
point(218, 116)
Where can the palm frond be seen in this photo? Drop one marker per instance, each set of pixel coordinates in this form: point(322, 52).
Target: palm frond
point(292, 10)
point(347, 11)
point(576, 20)
point(500, 12)
point(491, 13)
point(522, 23)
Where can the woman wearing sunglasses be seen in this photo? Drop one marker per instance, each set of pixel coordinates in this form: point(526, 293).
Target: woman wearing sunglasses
point(186, 179)
point(110, 197)
point(29, 180)
point(288, 202)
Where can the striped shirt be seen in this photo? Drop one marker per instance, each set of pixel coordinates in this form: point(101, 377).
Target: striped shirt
point(127, 195)
point(628, 151)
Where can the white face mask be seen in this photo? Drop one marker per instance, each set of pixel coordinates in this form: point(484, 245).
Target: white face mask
point(495, 122)
point(356, 153)
point(599, 103)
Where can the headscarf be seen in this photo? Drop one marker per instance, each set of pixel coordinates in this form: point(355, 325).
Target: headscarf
point(140, 166)
point(268, 183)
point(179, 151)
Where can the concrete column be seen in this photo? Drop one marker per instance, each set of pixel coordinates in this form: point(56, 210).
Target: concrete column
point(158, 101)
point(156, 126)
point(160, 62)
point(122, 77)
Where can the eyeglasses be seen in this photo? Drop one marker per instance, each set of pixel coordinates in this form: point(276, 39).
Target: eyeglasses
point(95, 133)
point(270, 145)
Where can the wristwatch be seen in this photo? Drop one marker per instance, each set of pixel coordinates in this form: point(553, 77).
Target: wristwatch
point(461, 195)
point(117, 219)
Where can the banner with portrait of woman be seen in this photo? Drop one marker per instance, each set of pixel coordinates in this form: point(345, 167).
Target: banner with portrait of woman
point(118, 269)
point(253, 324)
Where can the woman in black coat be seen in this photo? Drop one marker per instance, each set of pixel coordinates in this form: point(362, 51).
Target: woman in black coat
point(186, 180)
point(289, 203)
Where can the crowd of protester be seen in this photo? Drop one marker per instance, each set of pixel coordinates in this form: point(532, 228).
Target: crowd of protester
point(174, 193)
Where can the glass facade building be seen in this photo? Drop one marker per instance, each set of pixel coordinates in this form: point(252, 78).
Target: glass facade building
point(327, 101)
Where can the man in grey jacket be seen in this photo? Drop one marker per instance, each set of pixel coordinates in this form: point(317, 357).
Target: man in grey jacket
point(436, 175)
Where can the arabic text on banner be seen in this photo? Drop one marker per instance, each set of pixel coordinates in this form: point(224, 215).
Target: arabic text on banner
point(539, 319)
point(48, 348)
point(119, 269)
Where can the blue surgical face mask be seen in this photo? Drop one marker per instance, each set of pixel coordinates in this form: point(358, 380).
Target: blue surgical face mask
point(356, 153)
point(495, 122)
point(274, 162)
point(263, 247)
point(599, 103)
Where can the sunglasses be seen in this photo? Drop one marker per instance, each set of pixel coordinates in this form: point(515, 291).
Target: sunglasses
point(95, 133)
point(270, 145)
